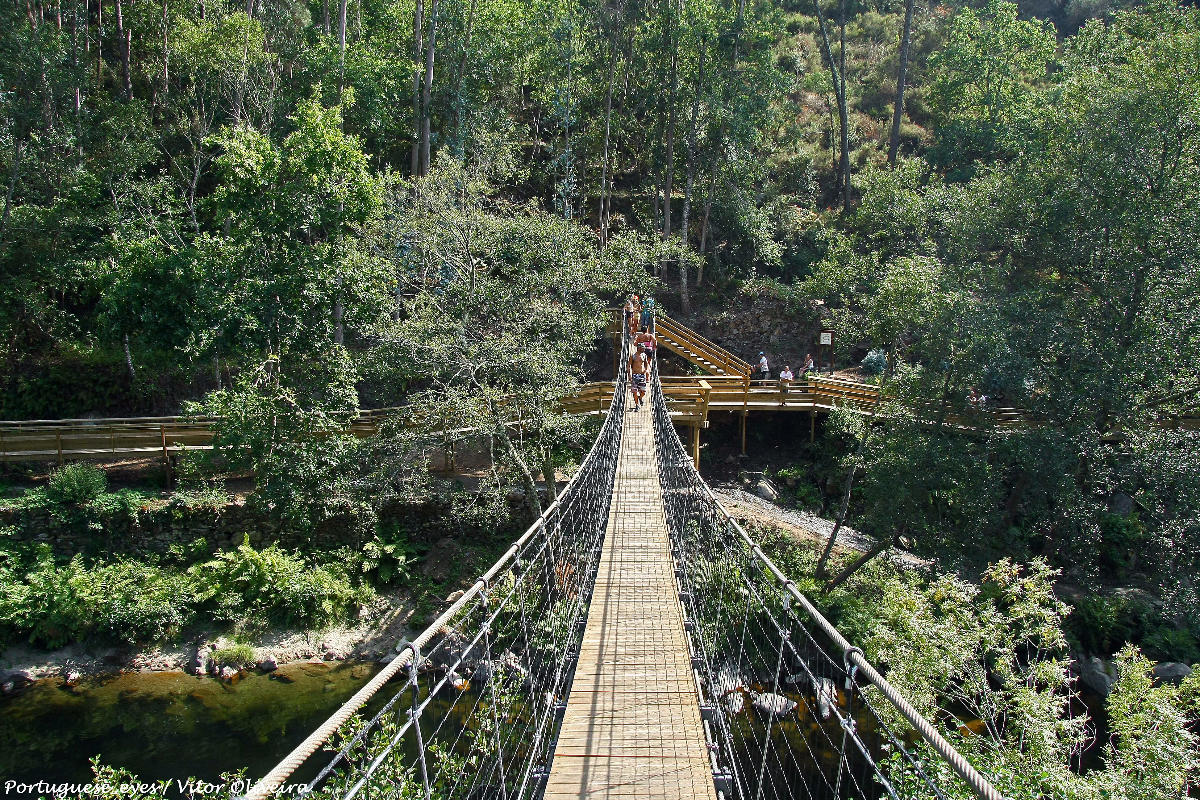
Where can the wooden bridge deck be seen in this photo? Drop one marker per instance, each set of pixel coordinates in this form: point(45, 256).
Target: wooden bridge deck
point(632, 726)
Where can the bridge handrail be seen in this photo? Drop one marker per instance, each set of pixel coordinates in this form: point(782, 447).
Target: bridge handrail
point(853, 655)
point(279, 774)
point(928, 732)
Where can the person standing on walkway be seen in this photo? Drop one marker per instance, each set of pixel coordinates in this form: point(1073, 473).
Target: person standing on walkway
point(764, 371)
point(639, 368)
point(786, 376)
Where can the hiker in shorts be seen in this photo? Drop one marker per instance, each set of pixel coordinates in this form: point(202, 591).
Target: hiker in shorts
point(639, 372)
point(630, 306)
point(648, 341)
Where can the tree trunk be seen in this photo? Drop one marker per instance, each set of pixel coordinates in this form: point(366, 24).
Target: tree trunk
point(339, 328)
point(857, 564)
point(325, 17)
point(427, 91)
point(459, 74)
point(839, 89)
point(604, 179)
point(532, 500)
point(14, 174)
point(124, 36)
point(902, 76)
point(75, 71)
point(341, 48)
point(166, 74)
point(823, 561)
point(684, 299)
point(418, 51)
point(669, 159)
point(99, 40)
point(129, 359)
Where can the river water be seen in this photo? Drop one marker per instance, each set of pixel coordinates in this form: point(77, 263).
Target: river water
point(170, 725)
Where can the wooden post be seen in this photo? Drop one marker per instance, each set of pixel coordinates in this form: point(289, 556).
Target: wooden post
point(162, 430)
point(58, 438)
point(696, 445)
point(812, 426)
point(744, 415)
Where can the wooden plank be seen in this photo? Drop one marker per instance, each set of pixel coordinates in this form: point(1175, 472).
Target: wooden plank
point(632, 726)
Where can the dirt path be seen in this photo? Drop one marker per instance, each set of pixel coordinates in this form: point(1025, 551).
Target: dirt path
point(743, 505)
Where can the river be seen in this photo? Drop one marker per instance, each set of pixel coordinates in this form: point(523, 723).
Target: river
point(171, 725)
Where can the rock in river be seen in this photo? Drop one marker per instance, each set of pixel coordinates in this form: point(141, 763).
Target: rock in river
point(774, 704)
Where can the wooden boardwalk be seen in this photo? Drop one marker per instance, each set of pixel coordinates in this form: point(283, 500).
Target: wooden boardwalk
point(632, 725)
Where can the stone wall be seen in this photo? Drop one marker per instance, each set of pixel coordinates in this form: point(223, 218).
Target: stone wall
point(157, 526)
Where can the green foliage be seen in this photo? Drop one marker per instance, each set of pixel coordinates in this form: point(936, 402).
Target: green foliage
point(875, 362)
point(390, 555)
point(270, 585)
point(236, 655)
point(76, 484)
point(54, 604)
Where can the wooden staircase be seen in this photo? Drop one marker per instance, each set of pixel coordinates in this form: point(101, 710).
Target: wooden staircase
point(708, 355)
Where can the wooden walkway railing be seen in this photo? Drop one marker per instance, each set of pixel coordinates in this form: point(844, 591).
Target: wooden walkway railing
point(61, 439)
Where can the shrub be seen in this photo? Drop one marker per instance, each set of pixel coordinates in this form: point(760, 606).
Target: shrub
point(808, 496)
point(274, 586)
point(236, 655)
point(875, 362)
point(76, 484)
point(126, 601)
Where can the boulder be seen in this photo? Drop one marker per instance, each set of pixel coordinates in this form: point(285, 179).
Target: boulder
point(1171, 671)
point(228, 674)
point(268, 664)
point(827, 696)
point(199, 665)
point(8, 688)
point(735, 702)
point(72, 677)
point(454, 597)
point(766, 491)
point(332, 655)
point(458, 681)
point(1093, 675)
point(1121, 504)
point(769, 703)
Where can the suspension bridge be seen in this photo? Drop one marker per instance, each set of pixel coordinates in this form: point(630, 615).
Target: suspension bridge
point(634, 642)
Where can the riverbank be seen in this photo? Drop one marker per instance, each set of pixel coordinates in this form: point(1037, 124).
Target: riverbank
point(388, 619)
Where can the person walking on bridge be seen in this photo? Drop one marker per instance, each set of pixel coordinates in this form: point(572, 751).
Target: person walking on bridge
point(647, 340)
point(639, 369)
point(647, 319)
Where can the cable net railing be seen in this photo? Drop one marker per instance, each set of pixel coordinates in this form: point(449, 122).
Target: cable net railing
point(793, 711)
point(485, 686)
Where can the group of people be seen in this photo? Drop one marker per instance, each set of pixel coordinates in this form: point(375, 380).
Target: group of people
point(639, 322)
point(639, 314)
point(786, 376)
